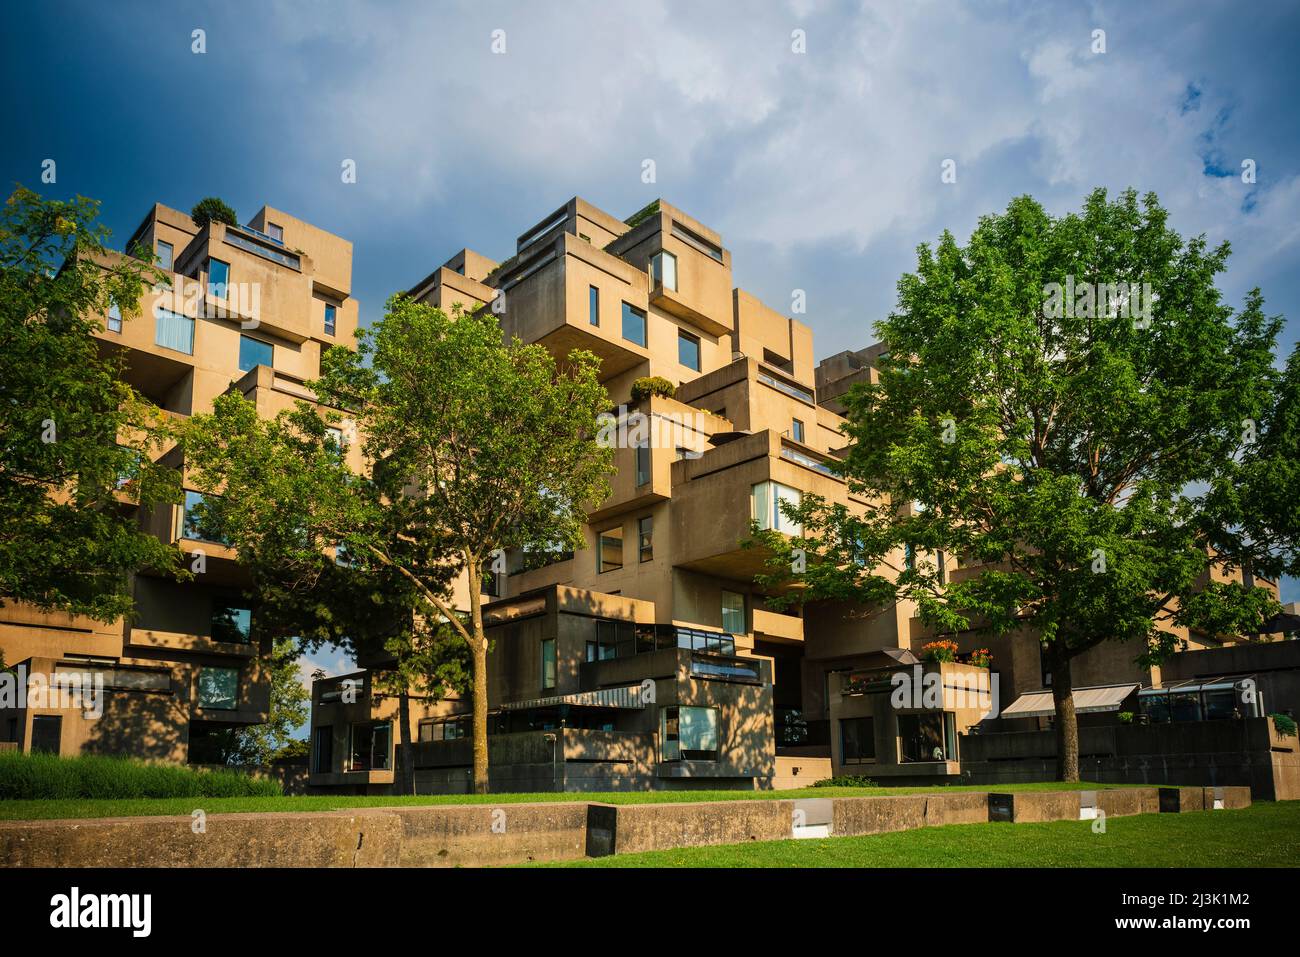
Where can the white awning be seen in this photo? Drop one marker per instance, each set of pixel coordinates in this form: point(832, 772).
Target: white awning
point(1039, 704)
point(628, 698)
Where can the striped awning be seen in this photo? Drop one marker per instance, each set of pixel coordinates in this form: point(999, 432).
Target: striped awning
point(1039, 704)
point(627, 698)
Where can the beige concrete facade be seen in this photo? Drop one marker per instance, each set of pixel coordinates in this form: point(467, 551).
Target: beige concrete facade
point(246, 309)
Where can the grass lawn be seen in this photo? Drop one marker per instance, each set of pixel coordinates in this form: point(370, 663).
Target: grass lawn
point(1262, 835)
point(33, 810)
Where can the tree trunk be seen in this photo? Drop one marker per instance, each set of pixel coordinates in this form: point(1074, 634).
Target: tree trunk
point(479, 648)
point(1067, 722)
point(404, 780)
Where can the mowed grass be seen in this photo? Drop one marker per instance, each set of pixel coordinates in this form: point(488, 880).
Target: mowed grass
point(139, 807)
point(1262, 835)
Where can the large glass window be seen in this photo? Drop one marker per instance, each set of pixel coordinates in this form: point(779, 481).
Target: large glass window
point(733, 613)
point(372, 746)
point(633, 324)
point(548, 663)
point(193, 524)
point(689, 734)
point(331, 315)
point(448, 729)
point(164, 252)
point(688, 350)
point(172, 331)
point(857, 740)
point(609, 549)
point(765, 507)
point(255, 352)
point(645, 538)
point(219, 688)
point(232, 621)
point(927, 737)
point(218, 278)
point(593, 305)
point(664, 269)
point(47, 734)
point(323, 749)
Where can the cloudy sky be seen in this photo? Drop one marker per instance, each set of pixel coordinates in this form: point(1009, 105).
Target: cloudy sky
point(820, 169)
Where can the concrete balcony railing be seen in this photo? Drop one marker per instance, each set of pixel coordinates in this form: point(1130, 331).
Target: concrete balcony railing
point(773, 626)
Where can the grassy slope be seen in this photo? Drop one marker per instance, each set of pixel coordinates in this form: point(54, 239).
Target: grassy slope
point(33, 810)
point(1263, 835)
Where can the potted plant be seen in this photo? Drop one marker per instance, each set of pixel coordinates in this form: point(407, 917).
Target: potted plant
point(937, 651)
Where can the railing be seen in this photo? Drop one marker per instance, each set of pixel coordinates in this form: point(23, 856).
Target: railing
point(808, 461)
point(257, 249)
point(786, 387)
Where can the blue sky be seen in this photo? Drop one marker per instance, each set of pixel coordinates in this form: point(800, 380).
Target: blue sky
point(821, 170)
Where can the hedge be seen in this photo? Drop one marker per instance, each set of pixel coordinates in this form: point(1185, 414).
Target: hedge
point(48, 776)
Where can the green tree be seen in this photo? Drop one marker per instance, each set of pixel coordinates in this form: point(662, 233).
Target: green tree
point(304, 523)
point(498, 439)
point(77, 439)
point(211, 209)
point(472, 446)
point(1068, 404)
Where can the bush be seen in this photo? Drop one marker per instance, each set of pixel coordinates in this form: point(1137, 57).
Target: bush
point(50, 777)
point(1126, 717)
point(211, 209)
point(643, 388)
point(846, 781)
point(1285, 726)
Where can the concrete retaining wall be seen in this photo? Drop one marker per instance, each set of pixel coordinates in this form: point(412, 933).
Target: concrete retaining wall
point(484, 834)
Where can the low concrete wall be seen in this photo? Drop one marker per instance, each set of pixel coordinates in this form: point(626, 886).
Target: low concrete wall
point(326, 839)
point(1036, 806)
point(477, 835)
point(484, 834)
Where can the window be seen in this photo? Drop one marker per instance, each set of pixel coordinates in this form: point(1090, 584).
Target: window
point(114, 318)
point(642, 464)
point(633, 324)
point(765, 507)
point(645, 539)
point(614, 639)
point(219, 688)
point(275, 232)
point(323, 749)
point(330, 317)
point(165, 253)
point(334, 439)
point(857, 740)
point(218, 278)
point(909, 556)
point(194, 524)
point(664, 269)
point(941, 561)
point(733, 613)
point(796, 430)
point(231, 621)
point(255, 352)
point(47, 734)
point(593, 305)
point(689, 734)
point(172, 331)
point(548, 663)
point(688, 350)
point(609, 549)
point(371, 747)
point(927, 737)
point(451, 729)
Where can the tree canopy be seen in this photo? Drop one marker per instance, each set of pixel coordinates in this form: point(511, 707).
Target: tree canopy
point(1068, 405)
